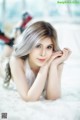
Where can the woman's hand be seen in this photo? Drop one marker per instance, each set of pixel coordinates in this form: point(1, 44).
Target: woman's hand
point(54, 56)
point(60, 59)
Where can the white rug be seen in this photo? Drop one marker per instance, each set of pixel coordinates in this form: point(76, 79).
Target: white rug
point(66, 108)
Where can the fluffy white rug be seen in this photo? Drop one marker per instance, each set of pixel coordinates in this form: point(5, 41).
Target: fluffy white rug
point(66, 108)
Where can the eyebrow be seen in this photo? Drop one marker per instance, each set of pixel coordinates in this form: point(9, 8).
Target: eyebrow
point(42, 44)
point(51, 44)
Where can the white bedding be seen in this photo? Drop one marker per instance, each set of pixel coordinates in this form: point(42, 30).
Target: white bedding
point(65, 108)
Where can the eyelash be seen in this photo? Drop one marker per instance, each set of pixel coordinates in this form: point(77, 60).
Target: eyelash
point(49, 47)
point(38, 46)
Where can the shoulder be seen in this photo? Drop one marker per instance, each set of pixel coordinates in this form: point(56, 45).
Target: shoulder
point(16, 62)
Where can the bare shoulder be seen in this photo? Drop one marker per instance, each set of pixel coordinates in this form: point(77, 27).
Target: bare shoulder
point(16, 62)
point(17, 68)
point(18, 75)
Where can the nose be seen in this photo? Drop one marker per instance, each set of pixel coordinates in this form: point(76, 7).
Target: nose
point(43, 52)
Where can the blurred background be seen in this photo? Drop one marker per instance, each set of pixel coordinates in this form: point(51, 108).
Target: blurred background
point(14, 16)
point(64, 17)
point(11, 11)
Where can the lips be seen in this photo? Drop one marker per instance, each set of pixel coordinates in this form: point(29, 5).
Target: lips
point(42, 60)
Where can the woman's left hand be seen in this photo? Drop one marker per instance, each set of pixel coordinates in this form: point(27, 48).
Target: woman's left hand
point(65, 54)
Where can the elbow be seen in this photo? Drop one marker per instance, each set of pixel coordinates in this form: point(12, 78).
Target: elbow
point(28, 99)
point(24, 98)
point(55, 97)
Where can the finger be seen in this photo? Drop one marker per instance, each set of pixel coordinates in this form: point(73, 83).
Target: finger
point(67, 49)
point(54, 57)
point(58, 52)
point(66, 53)
point(69, 53)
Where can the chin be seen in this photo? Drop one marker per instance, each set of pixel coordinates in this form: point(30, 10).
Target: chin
point(40, 64)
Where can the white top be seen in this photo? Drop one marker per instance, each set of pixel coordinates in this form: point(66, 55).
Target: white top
point(29, 74)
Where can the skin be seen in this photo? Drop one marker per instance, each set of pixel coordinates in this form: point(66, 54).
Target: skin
point(50, 69)
point(54, 77)
point(43, 50)
point(7, 51)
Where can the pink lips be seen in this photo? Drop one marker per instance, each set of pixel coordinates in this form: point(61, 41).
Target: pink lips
point(42, 60)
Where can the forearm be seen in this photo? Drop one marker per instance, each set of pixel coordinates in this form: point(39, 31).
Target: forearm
point(53, 89)
point(38, 85)
point(60, 68)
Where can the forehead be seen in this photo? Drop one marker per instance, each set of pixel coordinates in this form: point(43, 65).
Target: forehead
point(46, 41)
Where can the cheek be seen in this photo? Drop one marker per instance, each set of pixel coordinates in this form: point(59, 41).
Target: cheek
point(49, 53)
point(34, 54)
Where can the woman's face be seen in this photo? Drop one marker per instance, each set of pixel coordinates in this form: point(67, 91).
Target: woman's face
point(42, 52)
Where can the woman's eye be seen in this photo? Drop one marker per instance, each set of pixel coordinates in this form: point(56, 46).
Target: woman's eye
point(49, 47)
point(38, 46)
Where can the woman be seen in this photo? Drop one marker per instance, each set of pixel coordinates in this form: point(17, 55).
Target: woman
point(36, 63)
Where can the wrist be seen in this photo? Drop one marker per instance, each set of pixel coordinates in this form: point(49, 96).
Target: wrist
point(45, 67)
point(60, 66)
point(53, 66)
point(54, 63)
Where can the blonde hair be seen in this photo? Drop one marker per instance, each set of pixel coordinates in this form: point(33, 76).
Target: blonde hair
point(32, 35)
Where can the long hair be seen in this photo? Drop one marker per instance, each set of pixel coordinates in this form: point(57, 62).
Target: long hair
point(30, 38)
point(32, 35)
